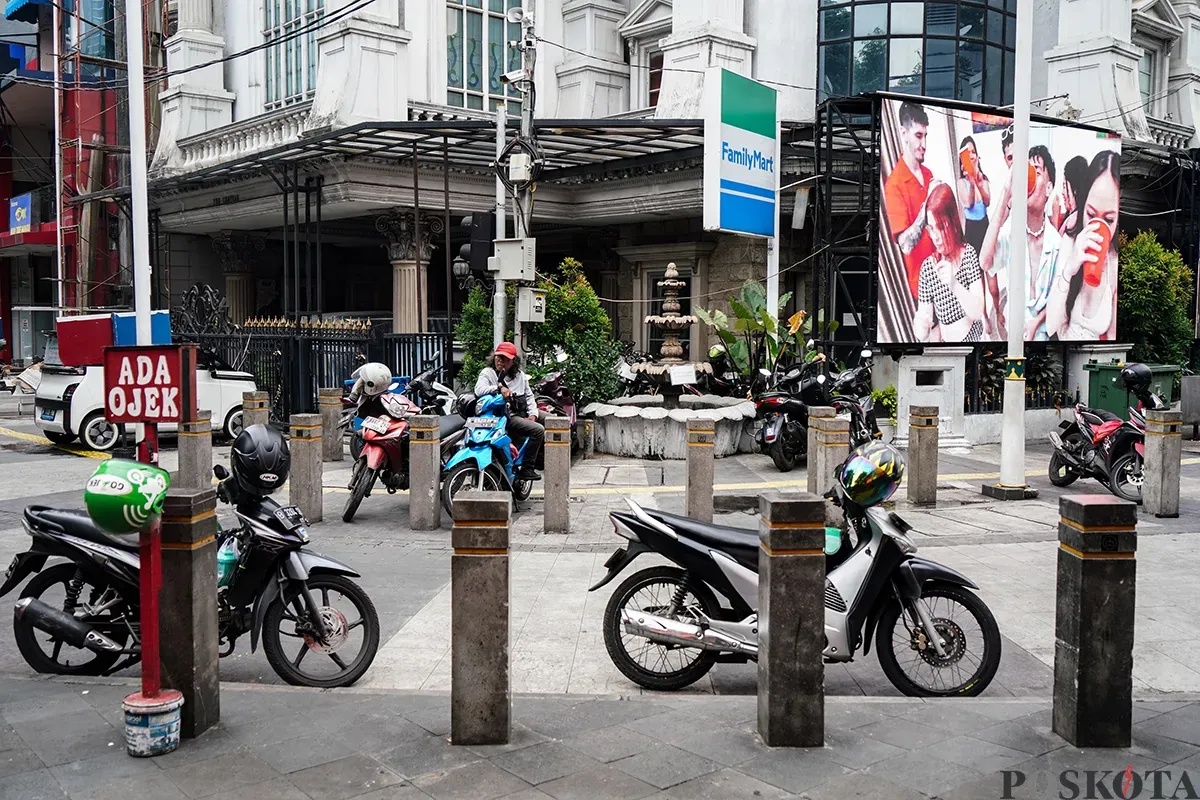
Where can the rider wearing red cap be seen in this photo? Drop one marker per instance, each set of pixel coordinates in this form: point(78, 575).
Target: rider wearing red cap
point(503, 374)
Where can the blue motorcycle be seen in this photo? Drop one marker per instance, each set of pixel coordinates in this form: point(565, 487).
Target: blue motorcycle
point(487, 460)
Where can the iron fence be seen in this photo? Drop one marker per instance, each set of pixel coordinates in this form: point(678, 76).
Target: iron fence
point(1045, 381)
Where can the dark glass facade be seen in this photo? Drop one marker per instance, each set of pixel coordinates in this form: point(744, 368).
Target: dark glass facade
point(956, 51)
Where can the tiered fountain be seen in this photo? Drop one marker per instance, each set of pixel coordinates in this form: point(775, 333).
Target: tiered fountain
point(655, 425)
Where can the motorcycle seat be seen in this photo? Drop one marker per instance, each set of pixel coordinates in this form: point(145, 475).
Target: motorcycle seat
point(739, 543)
point(1103, 413)
point(450, 425)
point(77, 523)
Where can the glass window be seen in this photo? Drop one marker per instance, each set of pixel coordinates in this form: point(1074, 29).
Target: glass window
point(939, 68)
point(995, 29)
point(941, 18)
point(970, 21)
point(835, 24)
point(480, 48)
point(993, 71)
point(291, 25)
point(1009, 63)
point(1010, 34)
point(905, 64)
point(870, 61)
point(870, 20)
point(970, 72)
point(908, 18)
point(834, 70)
point(656, 73)
point(1146, 76)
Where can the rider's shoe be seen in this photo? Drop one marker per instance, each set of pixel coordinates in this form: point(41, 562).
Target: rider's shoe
point(529, 474)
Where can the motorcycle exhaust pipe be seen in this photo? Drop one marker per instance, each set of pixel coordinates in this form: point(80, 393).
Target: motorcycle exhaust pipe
point(685, 634)
point(62, 625)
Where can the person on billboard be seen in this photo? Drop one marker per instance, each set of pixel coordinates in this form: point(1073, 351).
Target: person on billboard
point(1065, 210)
point(1006, 142)
point(1042, 246)
point(950, 294)
point(905, 192)
point(974, 192)
point(1083, 300)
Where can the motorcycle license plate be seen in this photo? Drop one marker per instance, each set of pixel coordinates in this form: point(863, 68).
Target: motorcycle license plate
point(291, 516)
point(482, 422)
point(376, 424)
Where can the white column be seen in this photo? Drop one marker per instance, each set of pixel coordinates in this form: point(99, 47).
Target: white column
point(196, 15)
point(362, 73)
point(704, 33)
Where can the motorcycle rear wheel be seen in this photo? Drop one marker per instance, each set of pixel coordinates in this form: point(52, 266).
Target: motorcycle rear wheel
point(784, 460)
point(1060, 472)
point(56, 662)
point(695, 663)
point(1127, 477)
point(364, 478)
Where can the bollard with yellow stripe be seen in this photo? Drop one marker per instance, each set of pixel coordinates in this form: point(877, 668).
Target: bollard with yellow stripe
point(557, 476)
point(256, 409)
point(189, 645)
point(1094, 620)
point(480, 660)
point(701, 441)
point(922, 454)
point(424, 472)
point(195, 452)
point(306, 472)
point(329, 402)
point(791, 590)
point(1164, 456)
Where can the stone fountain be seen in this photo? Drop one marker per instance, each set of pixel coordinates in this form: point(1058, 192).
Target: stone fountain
point(655, 425)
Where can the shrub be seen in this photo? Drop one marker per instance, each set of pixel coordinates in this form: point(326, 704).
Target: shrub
point(886, 401)
point(474, 332)
point(1152, 305)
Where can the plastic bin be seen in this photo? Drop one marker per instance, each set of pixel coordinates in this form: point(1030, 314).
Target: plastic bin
point(1105, 390)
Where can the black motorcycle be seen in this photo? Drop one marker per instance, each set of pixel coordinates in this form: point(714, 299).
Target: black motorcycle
point(81, 616)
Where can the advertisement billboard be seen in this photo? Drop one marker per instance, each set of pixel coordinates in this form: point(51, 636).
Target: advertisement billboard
point(945, 228)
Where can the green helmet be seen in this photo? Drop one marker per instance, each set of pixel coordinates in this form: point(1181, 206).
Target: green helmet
point(872, 473)
point(125, 496)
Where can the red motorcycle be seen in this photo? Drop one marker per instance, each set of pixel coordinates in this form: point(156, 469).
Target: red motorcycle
point(1101, 445)
point(384, 454)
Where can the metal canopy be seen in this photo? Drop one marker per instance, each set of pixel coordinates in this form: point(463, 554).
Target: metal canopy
point(571, 144)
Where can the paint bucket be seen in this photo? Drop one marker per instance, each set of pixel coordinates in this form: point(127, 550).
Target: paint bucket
point(152, 723)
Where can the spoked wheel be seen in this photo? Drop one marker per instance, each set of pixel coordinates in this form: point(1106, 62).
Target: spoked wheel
point(63, 587)
point(664, 592)
point(1127, 477)
point(364, 478)
point(971, 644)
point(466, 477)
point(351, 629)
point(1060, 472)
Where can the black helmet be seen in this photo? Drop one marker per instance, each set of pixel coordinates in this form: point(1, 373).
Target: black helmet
point(1136, 378)
point(260, 460)
point(466, 405)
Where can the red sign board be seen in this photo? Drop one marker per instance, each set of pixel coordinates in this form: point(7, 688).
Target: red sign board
point(144, 384)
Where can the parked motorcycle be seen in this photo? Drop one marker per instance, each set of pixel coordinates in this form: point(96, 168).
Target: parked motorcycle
point(665, 626)
point(487, 460)
point(1099, 444)
point(554, 399)
point(82, 616)
point(428, 394)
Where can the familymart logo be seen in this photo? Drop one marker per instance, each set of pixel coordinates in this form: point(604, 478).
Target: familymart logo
point(755, 160)
point(1122, 784)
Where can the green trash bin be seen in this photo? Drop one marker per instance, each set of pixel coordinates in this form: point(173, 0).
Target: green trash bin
point(1105, 390)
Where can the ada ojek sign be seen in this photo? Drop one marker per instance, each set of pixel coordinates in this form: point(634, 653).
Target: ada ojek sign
point(741, 155)
point(143, 384)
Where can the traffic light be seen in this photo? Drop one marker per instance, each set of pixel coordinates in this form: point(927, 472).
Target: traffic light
point(477, 251)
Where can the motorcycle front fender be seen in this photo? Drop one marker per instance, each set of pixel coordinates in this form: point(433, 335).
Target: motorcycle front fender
point(261, 603)
point(482, 456)
point(375, 455)
point(302, 563)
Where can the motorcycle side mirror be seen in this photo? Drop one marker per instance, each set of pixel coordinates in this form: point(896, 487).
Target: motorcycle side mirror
point(766, 373)
point(220, 472)
point(821, 378)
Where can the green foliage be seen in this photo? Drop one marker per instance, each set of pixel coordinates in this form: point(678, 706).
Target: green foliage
point(1152, 306)
point(474, 331)
point(886, 400)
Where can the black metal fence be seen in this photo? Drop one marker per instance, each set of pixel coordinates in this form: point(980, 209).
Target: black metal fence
point(1045, 381)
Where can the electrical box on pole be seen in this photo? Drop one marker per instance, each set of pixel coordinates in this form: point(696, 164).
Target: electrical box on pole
point(531, 304)
point(518, 259)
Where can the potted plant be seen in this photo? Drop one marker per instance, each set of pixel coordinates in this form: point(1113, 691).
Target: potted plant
point(885, 411)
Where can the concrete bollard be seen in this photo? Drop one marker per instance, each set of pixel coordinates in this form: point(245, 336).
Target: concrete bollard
point(817, 416)
point(187, 615)
point(791, 668)
point(1164, 453)
point(195, 452)
point(1190, 403)
point(330, 403)
point(831, 446)
point(256, 409)
point(557, 476)
point(424, 473)
point(1094, 620)
point(304, 481)
point(922, 454)
point(701, 436)
point(480, 621)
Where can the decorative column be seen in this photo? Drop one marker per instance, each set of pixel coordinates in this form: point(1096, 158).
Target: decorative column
point(237, 260)
point(704, 33)
point(409, 248)
point(592, 80)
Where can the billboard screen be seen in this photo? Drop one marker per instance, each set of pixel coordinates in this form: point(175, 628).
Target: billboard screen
point(945, 228)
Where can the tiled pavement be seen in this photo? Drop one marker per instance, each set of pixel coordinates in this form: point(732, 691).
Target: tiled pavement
point(62, 740)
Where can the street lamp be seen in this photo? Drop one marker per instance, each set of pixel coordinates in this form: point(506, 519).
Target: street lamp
point(461, 268)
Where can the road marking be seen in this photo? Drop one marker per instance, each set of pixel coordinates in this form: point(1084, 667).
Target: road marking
point(29, 437)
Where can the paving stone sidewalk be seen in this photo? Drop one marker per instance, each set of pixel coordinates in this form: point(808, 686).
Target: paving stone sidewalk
point(62, 738)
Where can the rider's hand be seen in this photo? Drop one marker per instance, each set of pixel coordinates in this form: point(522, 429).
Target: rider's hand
point(506, 392)
point(533, 418)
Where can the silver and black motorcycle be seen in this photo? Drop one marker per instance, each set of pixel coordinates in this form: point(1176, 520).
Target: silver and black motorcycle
point(664, 627)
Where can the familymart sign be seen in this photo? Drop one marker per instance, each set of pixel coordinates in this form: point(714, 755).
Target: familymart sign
point(741, 155)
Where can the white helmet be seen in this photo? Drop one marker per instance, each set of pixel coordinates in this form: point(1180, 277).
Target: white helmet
point(376, 378)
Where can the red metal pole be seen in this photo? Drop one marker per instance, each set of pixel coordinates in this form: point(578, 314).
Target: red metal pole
point(150, 553)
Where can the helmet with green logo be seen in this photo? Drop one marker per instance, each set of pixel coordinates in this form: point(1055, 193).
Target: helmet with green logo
point(125, 496)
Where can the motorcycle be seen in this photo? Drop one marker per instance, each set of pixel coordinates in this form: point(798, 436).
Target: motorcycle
point(82, 616)
point(487, 460)
point(430, 395)
point(664, 626)
point(1101, 445)
point(555, 399)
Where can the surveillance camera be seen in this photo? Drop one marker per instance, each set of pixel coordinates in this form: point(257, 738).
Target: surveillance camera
point(516, 76)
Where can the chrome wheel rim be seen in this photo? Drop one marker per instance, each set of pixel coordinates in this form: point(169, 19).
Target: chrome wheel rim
point(963, 638)
point(655, 597)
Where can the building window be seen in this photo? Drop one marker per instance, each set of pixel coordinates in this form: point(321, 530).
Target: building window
point(958, 50)
point(656, 75)
point(1146, 78)
point(292, 60)
point(481, 45)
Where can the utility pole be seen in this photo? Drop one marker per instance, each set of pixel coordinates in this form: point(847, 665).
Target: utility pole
point(500, 299)
point(528, 47)
point(137, 168)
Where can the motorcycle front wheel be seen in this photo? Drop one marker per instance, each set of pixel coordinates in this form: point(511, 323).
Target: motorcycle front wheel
point(466, 477)
point(364, 477)
point(47, 654)
point(972, 645)
point(351, 628)
point(1127, 477)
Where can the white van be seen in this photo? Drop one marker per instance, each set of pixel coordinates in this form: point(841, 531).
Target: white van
point(70, 400)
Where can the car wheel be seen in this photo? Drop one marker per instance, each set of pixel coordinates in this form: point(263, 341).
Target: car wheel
point(234, 424)
point(59, 438)
point(98, 433)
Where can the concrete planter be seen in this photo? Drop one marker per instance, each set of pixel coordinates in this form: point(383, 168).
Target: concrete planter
point(654, 431)
point(887, 429)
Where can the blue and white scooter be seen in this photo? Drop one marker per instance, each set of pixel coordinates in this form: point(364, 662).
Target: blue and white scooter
point(487, 460)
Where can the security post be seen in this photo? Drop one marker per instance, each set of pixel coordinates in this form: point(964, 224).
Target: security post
point(188, 615)
point(557, 474)
point(480, 620)
point(817, 417)
point(1094, 620)
point(922, 454)
point(304, 482)
point(424, 472)
point(791, 668)
point(195, 452)
point(1164, 451)
point(256, 409)
point(330, 401)
point(701, 438)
